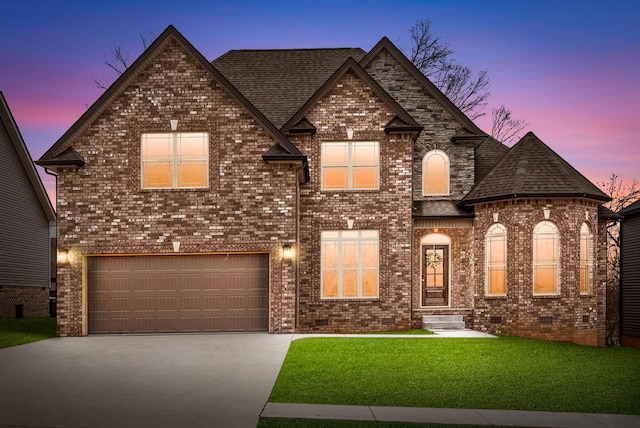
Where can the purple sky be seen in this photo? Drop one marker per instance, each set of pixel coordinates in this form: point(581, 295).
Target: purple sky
point(571, 69)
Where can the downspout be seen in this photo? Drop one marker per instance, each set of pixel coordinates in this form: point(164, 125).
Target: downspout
point(297, 237)
point(53, 307)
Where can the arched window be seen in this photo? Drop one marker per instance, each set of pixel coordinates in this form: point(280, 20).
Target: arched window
point(585, 259)
point(546, 249)
point(435, 173)
point(496, 260)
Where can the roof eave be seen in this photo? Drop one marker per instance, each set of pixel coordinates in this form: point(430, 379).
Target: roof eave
point(502, 197)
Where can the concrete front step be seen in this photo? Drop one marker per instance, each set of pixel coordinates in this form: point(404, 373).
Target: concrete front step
point(442, 322)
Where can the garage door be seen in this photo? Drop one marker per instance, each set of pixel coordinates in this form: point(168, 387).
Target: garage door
point(148, 294)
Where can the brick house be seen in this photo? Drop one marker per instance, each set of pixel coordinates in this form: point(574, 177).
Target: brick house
point(28, 225)
point(314, 190)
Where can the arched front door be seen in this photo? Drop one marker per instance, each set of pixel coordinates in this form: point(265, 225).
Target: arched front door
point(435, 270)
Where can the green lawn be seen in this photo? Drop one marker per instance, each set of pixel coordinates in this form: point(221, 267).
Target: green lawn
point(504, 373)
point(25, 330)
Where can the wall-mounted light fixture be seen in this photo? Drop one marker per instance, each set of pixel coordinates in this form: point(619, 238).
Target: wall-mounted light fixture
point(176, 246)
point(174, 124)
point(288, 253)
point(586, 215)
point(495, 217)
point(547, 213)
point(349, 133)
point(349, 223)
point(63, 257)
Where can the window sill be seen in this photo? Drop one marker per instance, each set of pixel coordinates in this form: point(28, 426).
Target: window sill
point(546, 296)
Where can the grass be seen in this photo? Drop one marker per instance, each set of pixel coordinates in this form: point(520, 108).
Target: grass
point(25, 330)
point(505, 373)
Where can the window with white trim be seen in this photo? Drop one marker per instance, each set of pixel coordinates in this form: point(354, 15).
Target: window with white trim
point(496, 260)
point(435, 173)
point(174, 160)
point(349, 264)
point(586, 258)
point(350, 165)
point(546, 251)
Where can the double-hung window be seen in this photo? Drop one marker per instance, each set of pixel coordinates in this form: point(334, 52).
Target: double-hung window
point(349, 264)
point(175, 160)
point(585, 259)
point(546, 250)
point(496, 256)
point(350, 165)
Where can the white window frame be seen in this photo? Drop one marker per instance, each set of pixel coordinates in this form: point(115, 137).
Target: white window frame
point(447, 172)
point(488, 237)
point(175, 159)
point(587, 238)
point(350, 145)
point(555, 263)
point(340, 239)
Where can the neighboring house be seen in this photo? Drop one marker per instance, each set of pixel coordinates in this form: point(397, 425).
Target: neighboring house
point(314, 190)
point(630, 275)
point(28, 223)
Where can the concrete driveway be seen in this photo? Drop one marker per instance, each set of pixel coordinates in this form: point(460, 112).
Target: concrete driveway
point(215, 380)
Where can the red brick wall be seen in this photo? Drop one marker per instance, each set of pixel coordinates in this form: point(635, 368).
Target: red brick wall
point(352, 104)
point(569, 316)
point(248, 207)
point(34, 301)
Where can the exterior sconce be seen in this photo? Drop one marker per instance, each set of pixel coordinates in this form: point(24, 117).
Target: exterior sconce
point(349, 223)
point(63, 257)
point(350, 134)
point(176, 246)
point(586, 215)
point(547, 213)
point(174, 124)
point(495, 217)
point(288, 253)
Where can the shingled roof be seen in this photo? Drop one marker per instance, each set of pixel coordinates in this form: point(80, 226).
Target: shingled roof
point(487, 154)
point(532, 169)
point(280, 82)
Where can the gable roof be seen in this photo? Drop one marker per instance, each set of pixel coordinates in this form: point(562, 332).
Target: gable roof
point(429, 87)
point(52, 157)
point(8, 122)
point(532, 169)
point(401, 122)
point(279, 81)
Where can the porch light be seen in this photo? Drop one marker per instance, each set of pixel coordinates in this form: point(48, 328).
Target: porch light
point(174, 124)
point(495, 217)
point(288, 253)
point(349, 133)
point(350, 223)
point(63, 257)
point(547, 213)
point(586, 215)
point(176, 246)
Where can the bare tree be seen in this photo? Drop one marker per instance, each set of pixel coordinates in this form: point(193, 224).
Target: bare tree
point(504, 127)
point(432, 57)
point(622, 195)
point(118, 60)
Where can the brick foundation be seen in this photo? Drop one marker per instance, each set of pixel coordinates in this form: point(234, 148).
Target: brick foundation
point(34, 302)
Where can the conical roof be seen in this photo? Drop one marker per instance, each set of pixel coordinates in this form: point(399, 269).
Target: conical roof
point(531, 169)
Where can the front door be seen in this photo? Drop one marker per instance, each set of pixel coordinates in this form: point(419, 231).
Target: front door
point(435, 275)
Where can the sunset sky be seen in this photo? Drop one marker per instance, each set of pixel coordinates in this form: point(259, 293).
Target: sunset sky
point(571, 69)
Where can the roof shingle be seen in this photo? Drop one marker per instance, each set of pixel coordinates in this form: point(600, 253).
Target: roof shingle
point(531, 169)
point(279, 82)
